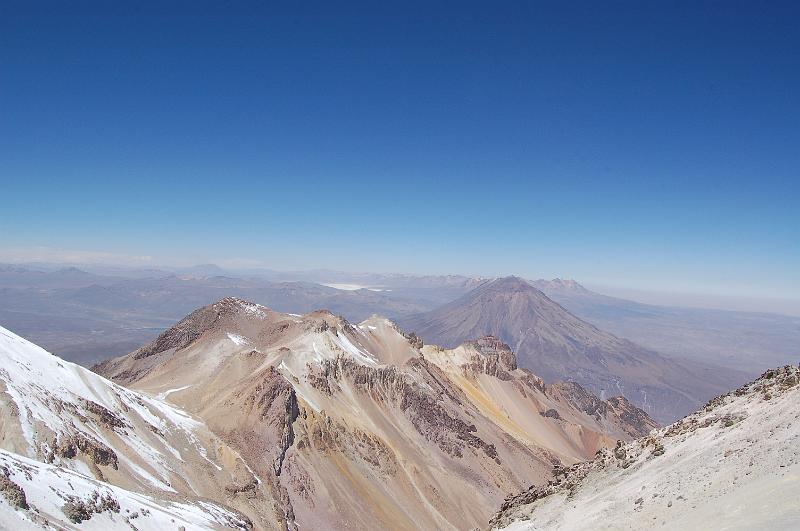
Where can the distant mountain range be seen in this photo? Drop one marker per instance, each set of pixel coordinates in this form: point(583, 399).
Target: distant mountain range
point(86, 316)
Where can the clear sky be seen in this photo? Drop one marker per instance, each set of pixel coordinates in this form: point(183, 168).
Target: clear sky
point(653, 145)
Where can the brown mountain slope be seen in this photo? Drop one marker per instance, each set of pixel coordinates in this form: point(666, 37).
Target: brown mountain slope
point(556, 345)
point(362, 427)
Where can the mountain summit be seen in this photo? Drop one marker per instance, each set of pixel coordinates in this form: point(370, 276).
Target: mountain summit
point(566, 285)
point(557, 345)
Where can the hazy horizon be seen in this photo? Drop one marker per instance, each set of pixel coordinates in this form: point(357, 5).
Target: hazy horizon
point(93, 261)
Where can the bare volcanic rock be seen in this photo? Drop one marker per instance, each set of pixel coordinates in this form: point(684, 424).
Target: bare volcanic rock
point(497, 357)
point(635, 421)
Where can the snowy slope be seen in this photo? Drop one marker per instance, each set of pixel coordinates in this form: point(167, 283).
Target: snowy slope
point(735, 464)
point(58, 498)
point(57, 412)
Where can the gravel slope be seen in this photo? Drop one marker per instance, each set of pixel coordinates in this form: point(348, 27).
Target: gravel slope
point(735, 464)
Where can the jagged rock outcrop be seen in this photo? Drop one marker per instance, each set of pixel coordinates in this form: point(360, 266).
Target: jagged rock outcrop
point(69, 446)
point(496, 358)
point(635, 420)
point(12, 492)
point(424, 405)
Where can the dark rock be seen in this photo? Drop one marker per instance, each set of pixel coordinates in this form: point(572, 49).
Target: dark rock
point(551, 413)
point(12, 492)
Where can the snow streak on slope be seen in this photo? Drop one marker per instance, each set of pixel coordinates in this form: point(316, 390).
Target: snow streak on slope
point(735, 464)
point(58, 412)
point(37, 495)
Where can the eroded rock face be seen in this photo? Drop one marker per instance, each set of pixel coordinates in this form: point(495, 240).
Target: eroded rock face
point(326, 434)
point(490, 346)
point(584, 400)
point(494, 358)
point(259, 420)
point(635, 421)
point(103, 415)
point(421, 405)
point(78, 510)
point(276, 401)
point(551, 413)
point(414, 340)
point(70, 446)
point(13, 493)
point(632, 420)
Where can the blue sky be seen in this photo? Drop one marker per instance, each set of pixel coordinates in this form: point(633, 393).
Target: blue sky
point(647, 145)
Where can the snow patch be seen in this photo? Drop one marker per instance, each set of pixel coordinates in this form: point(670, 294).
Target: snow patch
point(358, 354)
point(165, 394)
point(238, 340)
